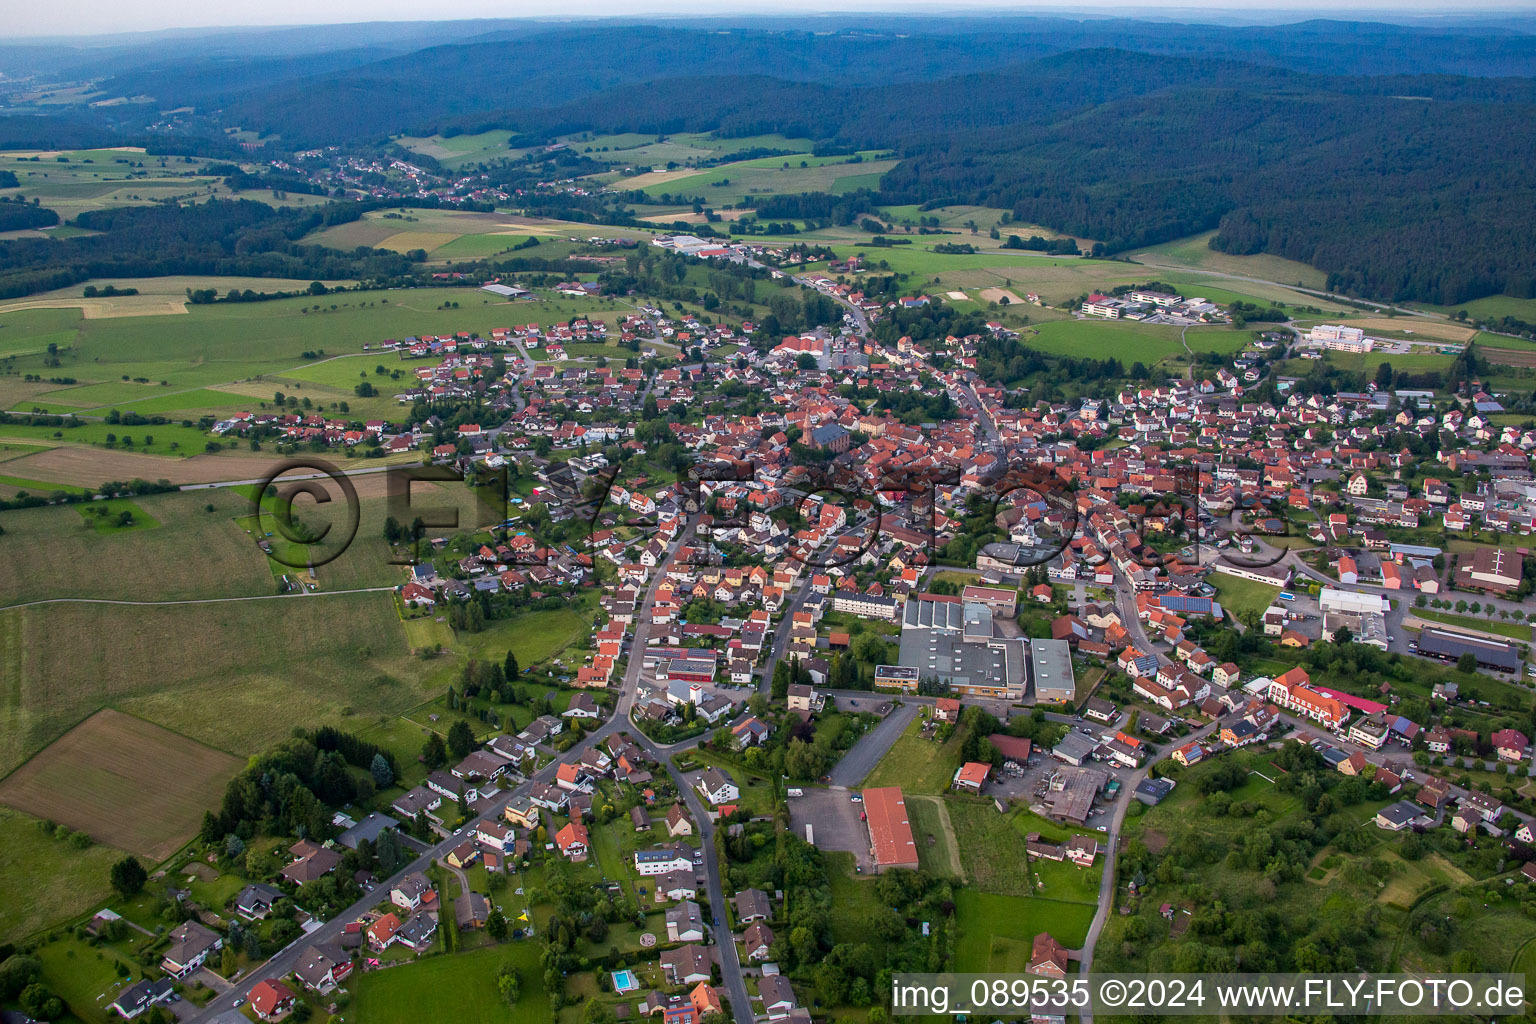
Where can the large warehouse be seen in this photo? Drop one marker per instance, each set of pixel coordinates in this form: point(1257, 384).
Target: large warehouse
point(955, 641)
point(890, 833)
point(1449, 645)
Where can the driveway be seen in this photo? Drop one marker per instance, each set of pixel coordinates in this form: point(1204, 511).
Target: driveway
point(862, 757)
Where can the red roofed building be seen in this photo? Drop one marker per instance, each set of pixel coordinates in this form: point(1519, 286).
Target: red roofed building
point(1291, 692)
point(382, 932)
point(271, 999)
point(890, 832)
point(1047, 957)
point(573, 842)
point(971, 776)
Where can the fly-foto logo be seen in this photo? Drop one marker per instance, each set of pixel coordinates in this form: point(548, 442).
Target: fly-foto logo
point(835, 515)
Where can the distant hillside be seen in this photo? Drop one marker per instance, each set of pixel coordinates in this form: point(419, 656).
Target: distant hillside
point(1398, 159)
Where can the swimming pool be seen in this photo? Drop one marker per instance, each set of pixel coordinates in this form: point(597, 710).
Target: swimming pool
point(625, 981)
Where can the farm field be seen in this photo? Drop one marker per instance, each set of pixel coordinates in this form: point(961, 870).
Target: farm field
point(1421, 328)
point(61, 879)
point(1194, 252)
point(452, 988)
point(457, 150)
point(640, 150)
point(735, 182)
point(221, 358)
point(74, 463)
point(235, 675)
point(1491, 306)
point(122, 781)
point(73, 182)
point(1056, 278)
point(1104, 339)
point(959, 218)
point(377, 226)
point(157, 295)
point(191, 553)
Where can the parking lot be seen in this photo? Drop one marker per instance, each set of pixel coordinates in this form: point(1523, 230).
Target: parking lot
point(835, 822)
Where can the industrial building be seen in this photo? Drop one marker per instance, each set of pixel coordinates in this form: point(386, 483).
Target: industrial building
point(955, 642)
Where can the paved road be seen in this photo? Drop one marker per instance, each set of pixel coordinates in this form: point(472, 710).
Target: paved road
point(285, 960)
point(859, 761)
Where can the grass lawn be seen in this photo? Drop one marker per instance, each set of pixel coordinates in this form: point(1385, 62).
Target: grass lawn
point(535, 637)
point(996, 931)
point(50, 880)
point(106, 516)
point(993, 852)
point(1238, 595)
point(854, 897)
point(916, 764)
point(1503, 627)
point(936, 849)
point(86, 978)
point(453, 988)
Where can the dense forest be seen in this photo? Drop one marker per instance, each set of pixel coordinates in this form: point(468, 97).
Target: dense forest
point(1394, 197)
point(1397, 162)
point(220, 237)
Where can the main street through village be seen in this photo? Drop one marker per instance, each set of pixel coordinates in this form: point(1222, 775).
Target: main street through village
point(854, 766)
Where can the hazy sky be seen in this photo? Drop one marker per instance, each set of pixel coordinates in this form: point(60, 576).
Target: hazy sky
point(73, 17)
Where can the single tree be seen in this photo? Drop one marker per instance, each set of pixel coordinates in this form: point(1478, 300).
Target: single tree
point(433, 753)
point(383, 774)
point(128, 876)
point(461, 740)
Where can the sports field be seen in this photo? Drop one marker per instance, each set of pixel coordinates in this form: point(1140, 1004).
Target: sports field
point(1103, 339)
point(124, 782)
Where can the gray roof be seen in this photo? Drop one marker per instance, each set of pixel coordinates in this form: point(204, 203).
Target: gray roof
point(1074, 746)
point(1400, 813)
point(1051, 667)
